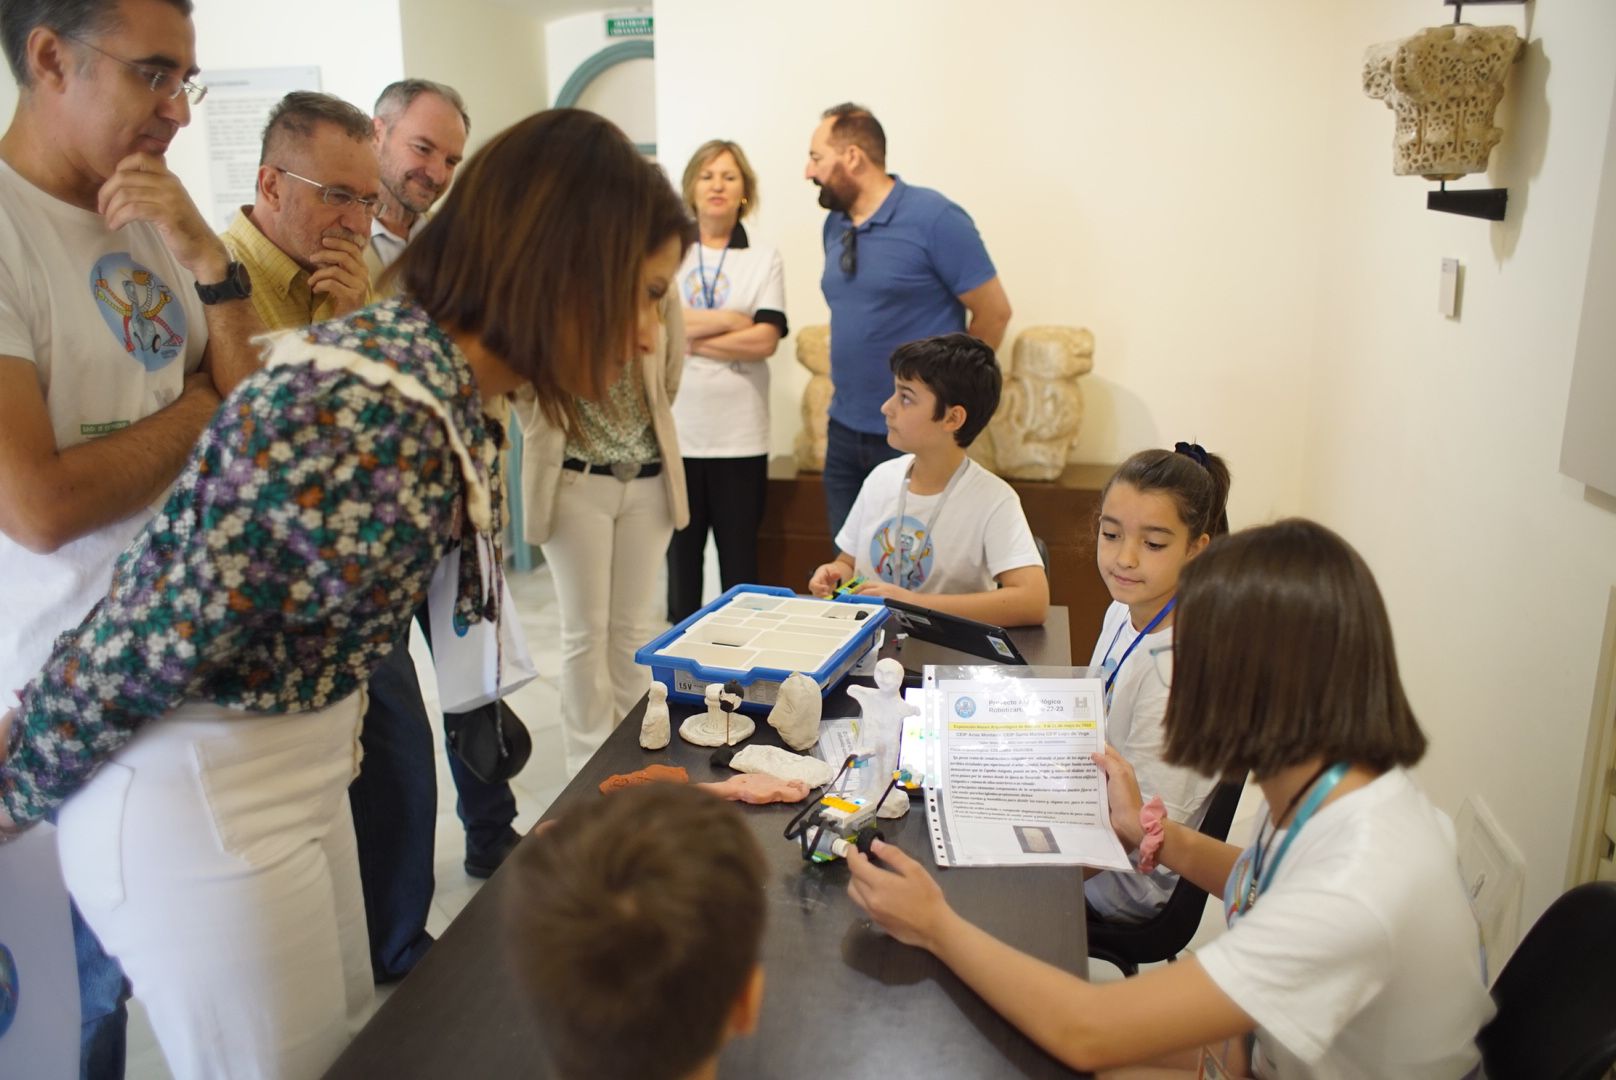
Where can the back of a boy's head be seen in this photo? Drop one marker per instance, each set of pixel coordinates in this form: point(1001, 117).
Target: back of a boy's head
point(635, 929)
point(961, 370)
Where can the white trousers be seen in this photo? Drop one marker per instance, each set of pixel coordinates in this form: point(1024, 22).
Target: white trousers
point(606, 553)
point(214, 856)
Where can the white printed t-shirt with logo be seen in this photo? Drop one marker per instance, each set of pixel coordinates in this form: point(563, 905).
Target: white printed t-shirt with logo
point(112, 325)
point(981, 532)
point(722, 410)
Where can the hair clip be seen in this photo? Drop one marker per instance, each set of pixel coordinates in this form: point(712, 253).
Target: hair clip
point(1194, 451)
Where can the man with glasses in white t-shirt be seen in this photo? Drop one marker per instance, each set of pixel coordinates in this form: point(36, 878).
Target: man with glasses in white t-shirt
point(123, 321)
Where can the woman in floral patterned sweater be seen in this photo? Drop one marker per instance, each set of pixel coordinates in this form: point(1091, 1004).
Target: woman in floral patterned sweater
point(199, 729)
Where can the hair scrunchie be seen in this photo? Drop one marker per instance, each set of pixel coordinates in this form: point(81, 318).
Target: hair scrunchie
point(1194, 451)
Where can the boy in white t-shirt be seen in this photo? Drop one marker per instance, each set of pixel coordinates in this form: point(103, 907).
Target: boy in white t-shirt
point(933, 527)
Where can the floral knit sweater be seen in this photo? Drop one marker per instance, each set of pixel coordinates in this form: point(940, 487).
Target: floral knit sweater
point(290, 555)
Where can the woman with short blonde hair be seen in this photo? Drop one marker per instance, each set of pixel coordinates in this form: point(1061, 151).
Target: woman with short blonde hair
point(733, 290)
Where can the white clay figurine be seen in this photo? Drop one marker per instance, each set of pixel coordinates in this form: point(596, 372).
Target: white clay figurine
point(654, 728)
point(719, 725)
point(796, 711)
point(880, 728)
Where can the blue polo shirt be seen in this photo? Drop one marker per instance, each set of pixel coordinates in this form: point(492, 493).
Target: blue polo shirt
point(916, 255)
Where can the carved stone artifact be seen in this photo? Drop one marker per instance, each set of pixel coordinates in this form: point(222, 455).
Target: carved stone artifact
point(796, 711)
point(1442, 85)
point(654, 728)
point(1041, 407)
point(813, 353)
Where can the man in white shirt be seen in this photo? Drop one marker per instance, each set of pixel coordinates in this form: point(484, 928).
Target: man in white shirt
point(421, 130)
point(122, 323)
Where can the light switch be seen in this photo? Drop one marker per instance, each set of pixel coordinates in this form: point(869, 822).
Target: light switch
point(1447, 300)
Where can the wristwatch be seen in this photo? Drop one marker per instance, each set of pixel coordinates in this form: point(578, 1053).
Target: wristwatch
point(235, 286)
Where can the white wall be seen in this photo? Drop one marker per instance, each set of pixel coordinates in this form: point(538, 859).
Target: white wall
point(1207, 188)
point(355, 44)
point(1434, 445)
point(492, 54)
point(1151, 180)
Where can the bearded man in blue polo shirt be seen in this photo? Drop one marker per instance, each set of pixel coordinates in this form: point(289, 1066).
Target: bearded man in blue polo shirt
point(901, 263)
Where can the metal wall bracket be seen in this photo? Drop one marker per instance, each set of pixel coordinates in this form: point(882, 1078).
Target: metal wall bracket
point(1488, 203)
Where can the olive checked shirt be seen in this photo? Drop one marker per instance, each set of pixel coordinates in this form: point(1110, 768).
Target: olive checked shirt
point(290, 555)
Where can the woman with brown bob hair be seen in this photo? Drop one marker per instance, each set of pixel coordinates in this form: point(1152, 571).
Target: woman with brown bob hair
point(544, 266)
point(1351, 950)
point(220, 681)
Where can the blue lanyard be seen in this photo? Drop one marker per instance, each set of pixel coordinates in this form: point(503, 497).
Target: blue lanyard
point(709, 291)
point(1149, 626)
point(1258, 884)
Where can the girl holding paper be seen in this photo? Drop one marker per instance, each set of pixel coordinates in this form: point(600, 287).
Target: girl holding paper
point(1351, 949)
point(1160, 510)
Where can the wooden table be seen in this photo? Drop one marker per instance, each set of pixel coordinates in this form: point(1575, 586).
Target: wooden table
point(842, 998)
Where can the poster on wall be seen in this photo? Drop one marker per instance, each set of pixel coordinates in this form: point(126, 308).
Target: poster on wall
point(237, 105)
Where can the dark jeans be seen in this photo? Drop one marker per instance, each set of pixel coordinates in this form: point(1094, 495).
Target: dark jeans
point(103, 991)
point(103, 1017)
point(395, 812)
point(726, 496)
point(849, 457)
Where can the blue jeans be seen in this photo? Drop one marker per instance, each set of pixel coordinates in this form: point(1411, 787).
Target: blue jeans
point(395, 812)
point(849, 457)
point(103, 1014)
point(103, 992)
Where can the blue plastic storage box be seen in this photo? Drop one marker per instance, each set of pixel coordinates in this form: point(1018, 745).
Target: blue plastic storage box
point(756, 636)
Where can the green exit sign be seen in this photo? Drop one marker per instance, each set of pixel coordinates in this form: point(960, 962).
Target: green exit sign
point(628, 26)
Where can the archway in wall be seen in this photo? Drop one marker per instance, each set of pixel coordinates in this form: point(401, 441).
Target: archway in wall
point(619, 82)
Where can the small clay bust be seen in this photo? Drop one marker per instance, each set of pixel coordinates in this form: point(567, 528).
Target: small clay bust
point(654, 729)
point(720, 725)
point(796, 711)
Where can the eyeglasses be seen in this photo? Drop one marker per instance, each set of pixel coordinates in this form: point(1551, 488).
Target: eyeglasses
point(339, 197)
point(1162, 657)
point(850, 251)
point(158, 80)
